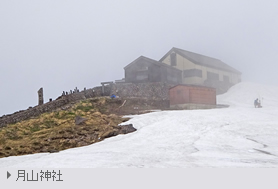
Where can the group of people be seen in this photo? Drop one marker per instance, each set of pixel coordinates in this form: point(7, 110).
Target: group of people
point(257, 103)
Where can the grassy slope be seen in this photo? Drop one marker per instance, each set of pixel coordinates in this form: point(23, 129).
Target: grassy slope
point(55, 131)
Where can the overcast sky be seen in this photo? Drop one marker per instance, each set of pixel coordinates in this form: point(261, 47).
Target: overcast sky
point(63, 44)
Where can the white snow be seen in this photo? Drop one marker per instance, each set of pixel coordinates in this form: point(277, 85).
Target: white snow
point(238, 136)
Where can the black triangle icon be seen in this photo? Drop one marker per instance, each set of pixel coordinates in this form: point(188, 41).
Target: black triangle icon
point(8, 175)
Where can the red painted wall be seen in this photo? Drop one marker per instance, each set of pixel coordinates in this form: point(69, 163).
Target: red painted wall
point(182, 94)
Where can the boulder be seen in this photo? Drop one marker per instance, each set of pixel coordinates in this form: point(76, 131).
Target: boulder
point(79, 120)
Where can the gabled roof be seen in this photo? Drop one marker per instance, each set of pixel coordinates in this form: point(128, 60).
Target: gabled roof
point(202, 60)
point(148, 60)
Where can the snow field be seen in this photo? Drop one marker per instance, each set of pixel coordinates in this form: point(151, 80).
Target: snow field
point(238, 136)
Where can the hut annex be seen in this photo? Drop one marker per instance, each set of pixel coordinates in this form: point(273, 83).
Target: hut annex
point(192, 97)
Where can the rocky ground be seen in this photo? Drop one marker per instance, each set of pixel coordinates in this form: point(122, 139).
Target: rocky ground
point(74, 125)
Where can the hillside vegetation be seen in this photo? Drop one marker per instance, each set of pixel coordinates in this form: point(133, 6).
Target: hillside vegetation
point(59, 130)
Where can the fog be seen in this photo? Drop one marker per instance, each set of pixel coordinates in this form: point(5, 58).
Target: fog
point(60, 45)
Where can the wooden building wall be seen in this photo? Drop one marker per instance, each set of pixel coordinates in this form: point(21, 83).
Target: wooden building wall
point(186, 94)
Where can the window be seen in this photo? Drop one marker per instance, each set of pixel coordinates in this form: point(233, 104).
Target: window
point(173, 59)
point(192, 73)
point(212, 76)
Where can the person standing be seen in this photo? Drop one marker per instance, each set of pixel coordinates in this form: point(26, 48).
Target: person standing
point(256, 102)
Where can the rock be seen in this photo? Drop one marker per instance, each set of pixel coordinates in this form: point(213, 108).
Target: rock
point(127, 129)
point(124, 129)
point(53, 151)
point(79, 120)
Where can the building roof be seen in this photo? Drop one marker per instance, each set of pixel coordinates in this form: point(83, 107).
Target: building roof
point(202, 60)
point(151, 61)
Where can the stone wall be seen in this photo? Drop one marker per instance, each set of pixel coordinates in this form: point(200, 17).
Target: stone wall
point(31, 112)
point(49, 106)
point(150, 91)
point(156, 90)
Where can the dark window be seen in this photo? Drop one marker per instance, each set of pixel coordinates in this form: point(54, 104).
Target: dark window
point(226, 79)
point(212, 76)
point(192, 73)
point(173, 59)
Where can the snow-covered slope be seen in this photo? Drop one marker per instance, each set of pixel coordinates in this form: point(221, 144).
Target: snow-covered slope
point(244, 94)
point(238, 136)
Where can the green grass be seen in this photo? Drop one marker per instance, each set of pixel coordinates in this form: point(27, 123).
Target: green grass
point(35, 128)
point(84, 108)
point(49, 123)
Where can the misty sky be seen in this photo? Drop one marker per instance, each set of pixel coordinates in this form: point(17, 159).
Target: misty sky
point(63, 44)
